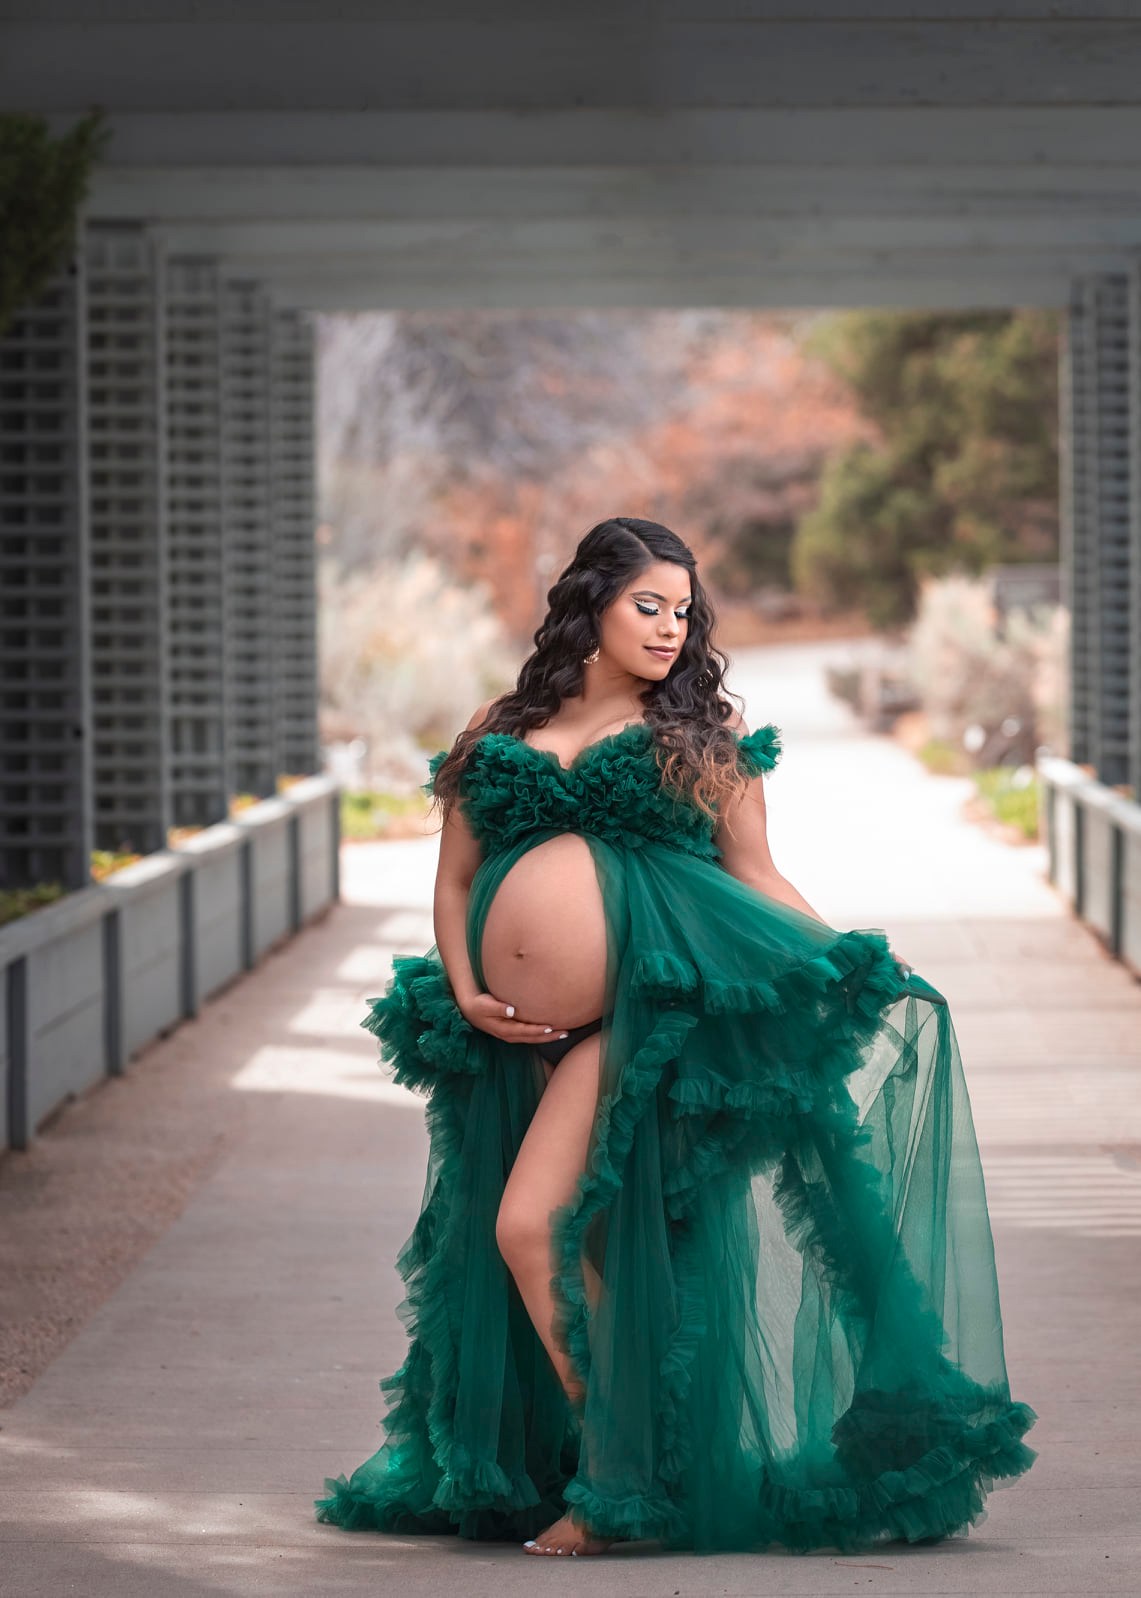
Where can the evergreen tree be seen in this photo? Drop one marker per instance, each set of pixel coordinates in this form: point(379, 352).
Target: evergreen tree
point(966, 473)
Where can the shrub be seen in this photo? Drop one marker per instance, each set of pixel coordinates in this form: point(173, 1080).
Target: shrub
point(993, 687)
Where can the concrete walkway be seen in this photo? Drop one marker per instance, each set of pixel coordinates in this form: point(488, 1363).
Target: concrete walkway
point(173, 1447)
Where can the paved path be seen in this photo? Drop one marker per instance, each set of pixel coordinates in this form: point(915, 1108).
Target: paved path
point(174, 1446)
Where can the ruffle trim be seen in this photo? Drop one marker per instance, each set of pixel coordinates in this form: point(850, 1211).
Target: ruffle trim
point(942, 1493)
point(423, 1390)
point(847, 986)
point(856, 978)
point(760, 750)
point(618, 1116)
point(861, 962)
point(431, 1482)
point(434, 763)
point(422, 1031)
point(420, 1028)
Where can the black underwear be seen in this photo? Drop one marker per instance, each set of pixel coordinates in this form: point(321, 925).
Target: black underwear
point(557, 1047)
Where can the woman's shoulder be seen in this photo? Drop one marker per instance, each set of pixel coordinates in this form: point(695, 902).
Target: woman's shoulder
point(481, 713)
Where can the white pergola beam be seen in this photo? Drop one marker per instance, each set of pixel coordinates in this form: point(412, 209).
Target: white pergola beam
point(1068, 198)
point(181, 58)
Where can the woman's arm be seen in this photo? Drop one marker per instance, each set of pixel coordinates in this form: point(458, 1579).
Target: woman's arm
point(746, 856)
point(458, 863)
point(459, 860)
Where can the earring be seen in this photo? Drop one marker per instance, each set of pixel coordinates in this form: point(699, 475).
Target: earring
point(589, 660)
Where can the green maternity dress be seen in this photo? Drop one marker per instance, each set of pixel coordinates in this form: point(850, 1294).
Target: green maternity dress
point(798, 1338)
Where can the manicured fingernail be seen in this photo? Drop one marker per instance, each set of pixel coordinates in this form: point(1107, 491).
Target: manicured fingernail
point(564, 1034)
point(548, 1029)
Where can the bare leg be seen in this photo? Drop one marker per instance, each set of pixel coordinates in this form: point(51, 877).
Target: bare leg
point(550, 1160)
point(551, 1157)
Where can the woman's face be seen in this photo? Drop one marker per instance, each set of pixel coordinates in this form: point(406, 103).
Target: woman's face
point(650, 614)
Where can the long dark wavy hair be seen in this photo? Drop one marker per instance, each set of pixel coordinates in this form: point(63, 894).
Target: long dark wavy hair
point(686, 710)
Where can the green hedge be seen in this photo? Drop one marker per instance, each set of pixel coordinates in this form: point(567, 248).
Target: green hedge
point(43, 184)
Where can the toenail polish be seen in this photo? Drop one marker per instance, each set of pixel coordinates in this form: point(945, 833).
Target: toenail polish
point(530, 1543)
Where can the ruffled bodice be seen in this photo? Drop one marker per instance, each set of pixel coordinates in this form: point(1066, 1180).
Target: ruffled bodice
point(612, 790)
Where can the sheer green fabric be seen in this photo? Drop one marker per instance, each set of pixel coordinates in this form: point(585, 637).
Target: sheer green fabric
point(798, 1338)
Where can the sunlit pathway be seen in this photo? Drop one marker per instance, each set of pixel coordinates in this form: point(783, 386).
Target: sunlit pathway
point(174, 1447)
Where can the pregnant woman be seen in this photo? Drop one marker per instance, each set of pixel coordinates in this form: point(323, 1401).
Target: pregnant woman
point(704, 1254)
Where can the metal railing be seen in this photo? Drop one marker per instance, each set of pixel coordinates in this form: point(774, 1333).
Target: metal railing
point(1093, 839)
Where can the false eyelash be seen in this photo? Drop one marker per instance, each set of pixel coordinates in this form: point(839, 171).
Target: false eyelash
point(652, 610)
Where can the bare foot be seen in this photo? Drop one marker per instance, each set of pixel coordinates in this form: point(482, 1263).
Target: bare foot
point(566, 1536)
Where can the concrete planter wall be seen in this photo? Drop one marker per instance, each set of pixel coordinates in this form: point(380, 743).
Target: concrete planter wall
point(91, 980)
point(1093, 839)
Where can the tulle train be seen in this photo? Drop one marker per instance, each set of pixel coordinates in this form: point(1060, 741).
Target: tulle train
point(798, 1337)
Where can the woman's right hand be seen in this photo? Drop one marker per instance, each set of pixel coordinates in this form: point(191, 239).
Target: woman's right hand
point(490, 1014)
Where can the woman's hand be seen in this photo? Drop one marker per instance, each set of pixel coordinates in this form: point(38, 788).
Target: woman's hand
point(492, 1015)
point(902, 967)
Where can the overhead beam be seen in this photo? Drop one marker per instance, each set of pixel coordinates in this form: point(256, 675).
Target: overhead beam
point(623, 136)
point(341, 286)
point(173, 59)
point(489, 242)
point(1070, 198)
point(501, 12)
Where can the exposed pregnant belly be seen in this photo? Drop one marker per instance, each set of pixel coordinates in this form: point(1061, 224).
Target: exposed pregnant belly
point(544, 935)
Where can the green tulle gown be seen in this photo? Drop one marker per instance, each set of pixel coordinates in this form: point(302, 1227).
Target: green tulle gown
point(798, 1339)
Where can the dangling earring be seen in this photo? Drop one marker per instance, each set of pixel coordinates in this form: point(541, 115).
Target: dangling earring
point(589, 660)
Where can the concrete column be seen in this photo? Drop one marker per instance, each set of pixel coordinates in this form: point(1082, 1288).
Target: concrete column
point(45, 709)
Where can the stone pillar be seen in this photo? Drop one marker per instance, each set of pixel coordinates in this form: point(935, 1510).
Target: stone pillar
point(45, 708)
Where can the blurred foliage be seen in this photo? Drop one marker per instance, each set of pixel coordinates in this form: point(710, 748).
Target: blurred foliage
point(370, 813)
point(104, 862)
point(491, 440)
point(43, 183)
point(17, 902)
point(998, 680)
point(759, 556)
point(1011, 793)
point(943, 758)
point(415, 406)
point(965, 472)
point(407, 653)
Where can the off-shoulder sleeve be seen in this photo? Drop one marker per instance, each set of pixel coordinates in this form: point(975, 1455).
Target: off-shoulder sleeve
point(434, 764)
point(759, 751)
